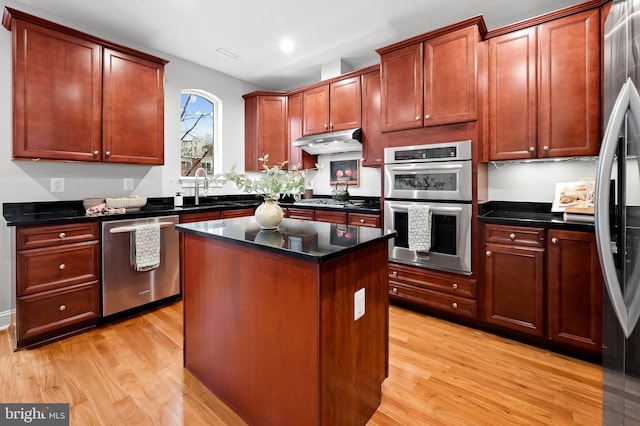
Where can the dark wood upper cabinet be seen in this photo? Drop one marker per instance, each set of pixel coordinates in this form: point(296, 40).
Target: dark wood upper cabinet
point(570, 85)
point(332, 107)
point(513, 92)
point(450, 77)
point(373, 140)
point(133, 109)
point(80, 98)
point(57, 96)
point(401, 94)
point(542, 101)
point(431, 79)
point(265, 129)
point(297, 157)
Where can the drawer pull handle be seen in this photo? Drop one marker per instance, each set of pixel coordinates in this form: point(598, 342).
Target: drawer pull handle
point(394, 290)
point(454, 305)
point(455, 286)
point(554, 240)
point(361, 220)
point(62, 307)
point(62, 266)
point(512, 236)
point(394, 274)
point(488, 253)
point(62, 235)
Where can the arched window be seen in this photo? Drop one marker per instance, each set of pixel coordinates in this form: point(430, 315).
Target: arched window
point(200, 130)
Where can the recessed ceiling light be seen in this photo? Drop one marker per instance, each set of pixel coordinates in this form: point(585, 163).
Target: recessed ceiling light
point(286, 45)
point(226, 52)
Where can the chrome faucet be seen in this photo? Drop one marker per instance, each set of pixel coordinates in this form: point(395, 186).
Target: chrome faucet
point(206, 184)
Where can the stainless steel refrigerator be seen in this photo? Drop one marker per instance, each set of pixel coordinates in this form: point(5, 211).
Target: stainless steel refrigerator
point(617, 214)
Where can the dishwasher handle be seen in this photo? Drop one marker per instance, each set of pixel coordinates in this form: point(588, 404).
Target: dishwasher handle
point(124, 229)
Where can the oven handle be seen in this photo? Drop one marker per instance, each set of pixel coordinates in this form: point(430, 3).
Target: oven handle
point(125, 229)
point(425, 166)
point(434, 207)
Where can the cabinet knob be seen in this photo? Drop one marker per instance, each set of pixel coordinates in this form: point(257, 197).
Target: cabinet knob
point(427, 116)
point(108, 153)
point(545, 148)
point(512, 236)
point(488, 253)
point(62, 307)
point(454, 305)
point(326, 125)
point(95, 153)
point(62, 235)
point(62, 266)
point(361, 220)
point(394, 274)
point(454, 286)
point(394, 290)
point(417, 118)
point(532, 149)
point(554, 240)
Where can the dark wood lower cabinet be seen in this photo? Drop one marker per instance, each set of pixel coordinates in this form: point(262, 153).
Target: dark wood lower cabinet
point(545, 283)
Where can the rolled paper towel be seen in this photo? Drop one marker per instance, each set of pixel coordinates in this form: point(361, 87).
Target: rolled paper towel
point(419, 228)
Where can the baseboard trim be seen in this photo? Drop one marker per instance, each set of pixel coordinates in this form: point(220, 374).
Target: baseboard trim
point(5, 319)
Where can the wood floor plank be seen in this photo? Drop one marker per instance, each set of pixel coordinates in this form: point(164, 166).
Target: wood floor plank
point(131, 373)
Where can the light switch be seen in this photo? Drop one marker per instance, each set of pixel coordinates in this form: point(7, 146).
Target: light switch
point(358, 304)
point(57, 184)
point(127, 184)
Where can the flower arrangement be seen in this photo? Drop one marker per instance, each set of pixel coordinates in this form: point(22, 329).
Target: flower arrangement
point(275, 182)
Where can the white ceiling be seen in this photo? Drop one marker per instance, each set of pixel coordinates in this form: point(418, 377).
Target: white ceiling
point(324, 32)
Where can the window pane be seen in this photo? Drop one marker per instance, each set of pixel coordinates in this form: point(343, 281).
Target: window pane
point(196, 134)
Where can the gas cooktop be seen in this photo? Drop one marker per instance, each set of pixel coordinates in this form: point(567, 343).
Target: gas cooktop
point(329, 202)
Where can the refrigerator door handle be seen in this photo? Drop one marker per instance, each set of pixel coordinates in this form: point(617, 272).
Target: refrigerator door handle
point(627, 312)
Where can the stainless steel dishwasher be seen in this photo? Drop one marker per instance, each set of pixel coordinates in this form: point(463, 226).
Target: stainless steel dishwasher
point(123, 287)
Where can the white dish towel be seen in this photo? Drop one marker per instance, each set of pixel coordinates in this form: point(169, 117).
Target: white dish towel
point(145, 247)
point(419, 228)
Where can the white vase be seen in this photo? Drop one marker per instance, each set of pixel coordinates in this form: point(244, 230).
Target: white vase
point(269, 214)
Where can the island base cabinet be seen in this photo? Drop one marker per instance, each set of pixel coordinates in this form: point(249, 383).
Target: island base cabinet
point(277, 342)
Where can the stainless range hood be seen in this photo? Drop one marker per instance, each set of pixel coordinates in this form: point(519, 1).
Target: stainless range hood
point(331, 143)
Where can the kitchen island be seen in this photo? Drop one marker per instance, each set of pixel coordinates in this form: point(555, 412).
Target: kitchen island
point(287, 327)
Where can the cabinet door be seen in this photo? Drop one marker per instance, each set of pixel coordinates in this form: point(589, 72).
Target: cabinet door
point(265, 130)
point(373, 140)
point(513, 92)
point(574, 281)
point(57, 97)
point(297, 157)
point(133, 109)
point(330, 216)
point(450, 78)
point(315, 109)
point(401, 83)
point(345, 101)
point(514, 287)
point(570, 86)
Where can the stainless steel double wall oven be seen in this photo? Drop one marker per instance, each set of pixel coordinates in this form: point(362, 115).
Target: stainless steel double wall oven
point(439, 176)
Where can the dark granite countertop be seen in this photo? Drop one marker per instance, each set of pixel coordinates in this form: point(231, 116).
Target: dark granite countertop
point(49, 212)
point(527, 214)
point(307, 240)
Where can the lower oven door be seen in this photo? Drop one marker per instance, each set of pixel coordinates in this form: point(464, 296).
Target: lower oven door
point(450, 236)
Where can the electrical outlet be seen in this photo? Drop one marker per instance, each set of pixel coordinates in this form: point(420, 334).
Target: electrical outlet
point(57, 184)
point(358, 304)
point(127, 184)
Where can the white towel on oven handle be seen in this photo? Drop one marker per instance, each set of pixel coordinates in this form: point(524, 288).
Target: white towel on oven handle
point(145, 247)
point(419, 227)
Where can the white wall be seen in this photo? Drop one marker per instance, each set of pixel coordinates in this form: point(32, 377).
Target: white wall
point(23, 181)
point(535, 181)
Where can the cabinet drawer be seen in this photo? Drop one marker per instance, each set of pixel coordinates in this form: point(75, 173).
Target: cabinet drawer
point(503, 234)
point(331, 216)
point(305, 214)
point(433, 299)
point(447, 283)
point(46, 312)
point(46, 236)
point(227, 214)
point(199, 217)
point(361, 219)
point(48, 268)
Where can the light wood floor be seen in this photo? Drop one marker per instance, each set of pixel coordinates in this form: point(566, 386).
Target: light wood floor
point(130, 373)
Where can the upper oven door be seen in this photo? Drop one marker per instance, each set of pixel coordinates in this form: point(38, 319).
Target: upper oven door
point(450, 180)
